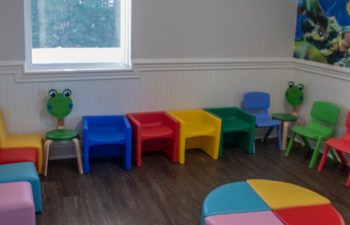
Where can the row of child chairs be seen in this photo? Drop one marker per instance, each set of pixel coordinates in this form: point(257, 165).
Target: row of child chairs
point(157, 130)
point(173, 132)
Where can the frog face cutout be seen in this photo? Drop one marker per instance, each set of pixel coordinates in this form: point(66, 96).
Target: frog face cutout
point(59, 104)
point(295, 94)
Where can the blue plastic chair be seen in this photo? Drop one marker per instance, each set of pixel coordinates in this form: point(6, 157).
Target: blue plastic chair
point(26, 171)
point(258, 104)
point(107, 130)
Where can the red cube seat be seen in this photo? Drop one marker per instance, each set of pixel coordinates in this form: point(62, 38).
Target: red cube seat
point(16, 155)
point(154, 131)
point(310, 215)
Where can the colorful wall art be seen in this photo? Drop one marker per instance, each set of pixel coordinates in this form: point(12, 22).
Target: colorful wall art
point(323, 31)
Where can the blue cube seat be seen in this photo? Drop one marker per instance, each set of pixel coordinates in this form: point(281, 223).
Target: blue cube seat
point(238, 197)
point(23, 172)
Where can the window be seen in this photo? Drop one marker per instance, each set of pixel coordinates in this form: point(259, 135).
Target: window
point(68, 35)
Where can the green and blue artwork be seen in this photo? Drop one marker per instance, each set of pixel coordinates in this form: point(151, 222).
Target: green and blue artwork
point(323, 31)
point(60, 104)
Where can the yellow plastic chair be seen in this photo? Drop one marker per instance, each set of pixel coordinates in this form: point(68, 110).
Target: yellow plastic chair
point(198, 129)
point(21, 140)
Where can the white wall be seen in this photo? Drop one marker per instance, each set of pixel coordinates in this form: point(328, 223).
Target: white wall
point(186, 28)
point(210, 29)
point(251, 31)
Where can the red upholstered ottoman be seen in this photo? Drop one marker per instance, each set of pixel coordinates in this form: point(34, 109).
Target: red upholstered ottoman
point(16, 155)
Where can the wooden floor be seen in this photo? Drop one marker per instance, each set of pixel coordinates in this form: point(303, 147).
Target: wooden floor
point(170, 194)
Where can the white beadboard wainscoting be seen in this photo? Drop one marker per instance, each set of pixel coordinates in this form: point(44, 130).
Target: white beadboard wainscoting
point(161, 85)
point(324, 83)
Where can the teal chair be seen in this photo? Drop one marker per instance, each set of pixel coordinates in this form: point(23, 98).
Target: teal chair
point(324, 117)
point(237, 128)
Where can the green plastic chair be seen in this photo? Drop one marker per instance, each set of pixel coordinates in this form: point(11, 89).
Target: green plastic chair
point(237, 128)
point(324, 116)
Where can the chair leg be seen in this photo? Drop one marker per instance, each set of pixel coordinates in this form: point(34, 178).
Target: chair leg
point(290, 144)
point(348, 181)
point(267, 134)
point(209, 145)
point(306, 142)
point(334, 156)
point(342, 157)
point(182, 149)
point(315, 154)
point(47, 144)
point(86, 158)
point(279, 130)
point(221, 145)
point(128, 152)
point(285, 125)
point(78, 152)
point(138, 153)
point(175, 149)
point(324, 158)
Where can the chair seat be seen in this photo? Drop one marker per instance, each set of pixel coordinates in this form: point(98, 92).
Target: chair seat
point(198, 128)
point(61, 134)
point(267, 123)
point(156, 131)
point(106, 135)
point(311, 132)
point(339, 144)
point(234, 124)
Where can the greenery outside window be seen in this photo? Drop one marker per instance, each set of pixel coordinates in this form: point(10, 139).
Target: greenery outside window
point(69, 35)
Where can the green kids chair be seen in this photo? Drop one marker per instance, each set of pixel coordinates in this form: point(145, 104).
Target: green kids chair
point(237, 127)
point(59, 106)
point(295, 97)
point(324, 116)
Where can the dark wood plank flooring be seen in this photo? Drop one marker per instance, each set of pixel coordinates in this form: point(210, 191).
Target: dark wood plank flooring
point(165, 193)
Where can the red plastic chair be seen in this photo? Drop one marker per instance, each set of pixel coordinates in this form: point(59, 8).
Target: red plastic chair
point(341, 146)
point(154, 131)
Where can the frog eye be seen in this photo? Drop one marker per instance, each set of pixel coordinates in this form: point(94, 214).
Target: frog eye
point(300, 87)
point(52, 93)
point(67, 93)
point(291, 84)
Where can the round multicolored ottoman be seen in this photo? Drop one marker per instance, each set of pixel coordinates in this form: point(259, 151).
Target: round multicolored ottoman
point(266, 202)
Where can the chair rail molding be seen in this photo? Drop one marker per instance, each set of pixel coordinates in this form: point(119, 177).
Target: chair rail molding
point(321, 69)
point(145, 65)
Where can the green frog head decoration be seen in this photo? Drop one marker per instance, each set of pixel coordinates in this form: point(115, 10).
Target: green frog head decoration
point(60, 104)
point(295, 94)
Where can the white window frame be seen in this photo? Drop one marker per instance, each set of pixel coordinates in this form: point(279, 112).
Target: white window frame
point(62, 68)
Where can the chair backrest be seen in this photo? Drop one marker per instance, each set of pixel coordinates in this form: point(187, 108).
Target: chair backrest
point(148, 117)
point(101, 121)
point(256, 101)
point(189, 116)
point(347, 122)
point(325, 112)
point(3, 130)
